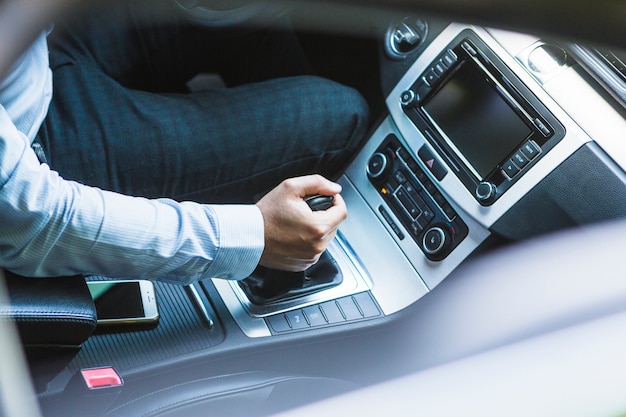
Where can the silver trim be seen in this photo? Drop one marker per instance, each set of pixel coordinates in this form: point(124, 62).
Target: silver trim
point(353, 282)
point(195, 297)
point(250, 317)
point(250, 326)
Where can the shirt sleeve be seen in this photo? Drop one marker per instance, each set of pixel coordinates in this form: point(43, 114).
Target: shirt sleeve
point(52, 227)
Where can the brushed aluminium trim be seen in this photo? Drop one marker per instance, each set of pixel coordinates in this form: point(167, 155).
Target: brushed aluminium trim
point(354, 281)
point(250, 317)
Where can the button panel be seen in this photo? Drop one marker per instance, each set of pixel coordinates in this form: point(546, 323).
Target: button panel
point(520, 159)
point(415, 199)
point(353, 308)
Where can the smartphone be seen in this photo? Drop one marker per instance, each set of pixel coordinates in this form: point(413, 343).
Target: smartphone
point(124, 303)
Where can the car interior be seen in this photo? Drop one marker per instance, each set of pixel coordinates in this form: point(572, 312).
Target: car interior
point(480, 269)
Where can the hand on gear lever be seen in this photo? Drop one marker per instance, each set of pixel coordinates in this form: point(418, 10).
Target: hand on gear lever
point(295, 235)
point(267, 285)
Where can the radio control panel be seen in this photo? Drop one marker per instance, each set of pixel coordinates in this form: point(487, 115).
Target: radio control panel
point(478, 116)
point(413, 198)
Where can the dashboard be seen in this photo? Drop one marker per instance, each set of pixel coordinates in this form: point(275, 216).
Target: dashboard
point(487, 137)
point(479, 131)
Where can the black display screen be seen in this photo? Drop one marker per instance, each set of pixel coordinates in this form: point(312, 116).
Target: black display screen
point(121, 300)
point(478, 121)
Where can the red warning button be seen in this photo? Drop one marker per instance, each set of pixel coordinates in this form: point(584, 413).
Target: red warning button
point(432, 163)
point(101, 377)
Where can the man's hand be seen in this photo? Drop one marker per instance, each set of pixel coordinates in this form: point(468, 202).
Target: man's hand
point(296, 236)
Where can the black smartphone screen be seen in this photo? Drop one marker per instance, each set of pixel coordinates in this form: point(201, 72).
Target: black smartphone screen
point(121, 300)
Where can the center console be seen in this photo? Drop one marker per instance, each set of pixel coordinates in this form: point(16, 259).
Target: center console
point(468, 133)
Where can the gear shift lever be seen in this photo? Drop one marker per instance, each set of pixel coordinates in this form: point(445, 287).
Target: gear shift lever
point(267, 285)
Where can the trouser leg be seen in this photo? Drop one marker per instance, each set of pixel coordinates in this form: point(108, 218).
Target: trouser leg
point(215, 146)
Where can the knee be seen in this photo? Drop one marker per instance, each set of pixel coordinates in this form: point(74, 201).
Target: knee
point(343, 109)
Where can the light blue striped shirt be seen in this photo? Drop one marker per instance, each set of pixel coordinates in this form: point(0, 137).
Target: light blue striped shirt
point(52, 227)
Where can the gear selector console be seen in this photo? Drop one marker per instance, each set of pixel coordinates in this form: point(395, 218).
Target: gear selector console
point(266, 286)
point(413, 198)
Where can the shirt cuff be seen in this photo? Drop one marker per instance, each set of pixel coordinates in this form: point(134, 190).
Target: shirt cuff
point(241, 241)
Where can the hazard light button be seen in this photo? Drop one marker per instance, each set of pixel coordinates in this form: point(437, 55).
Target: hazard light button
point(432, 163)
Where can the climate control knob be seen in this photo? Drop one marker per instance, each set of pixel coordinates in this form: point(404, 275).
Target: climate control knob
point(436, 242)
point(379, 167)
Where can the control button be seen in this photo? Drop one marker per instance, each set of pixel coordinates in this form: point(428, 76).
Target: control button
point(404, 37)
point(403, 154)
point(520, 160)
point(433, 165)
point(434, 240)
point(399, 176)
point(408, 99)
point(486, 192)
point(542, 127)
point(422, 91)
point(420, 174)
point(366, 305)
point(510, 169)
point(279, 323)
point(416, 228)
point(411, 190)
point(314, 316)
point(428, 215)
point(439, 199)
point(350, 310)
point(530, 150)
point(449, 58)
point(430, 187)
point(296, 319)
point(422, 223)
point(407, 202)
point(332, 312)
point(431, 77)
point(391, 223)
point(378, 166)
point(449, 211)
point(469, 48)
point(439, 68)
point(408, 160)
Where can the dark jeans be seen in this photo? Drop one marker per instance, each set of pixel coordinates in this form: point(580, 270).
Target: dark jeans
point(121, 118)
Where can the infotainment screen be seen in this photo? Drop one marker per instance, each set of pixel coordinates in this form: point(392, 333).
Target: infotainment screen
point(476, 121)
